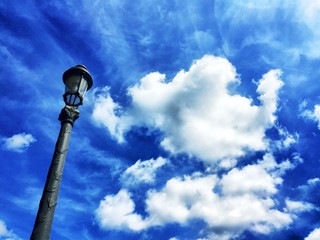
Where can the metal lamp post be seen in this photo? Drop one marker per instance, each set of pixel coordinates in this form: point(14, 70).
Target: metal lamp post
point(77, 81)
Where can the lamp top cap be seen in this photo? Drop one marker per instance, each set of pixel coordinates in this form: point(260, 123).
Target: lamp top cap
point(78, 69)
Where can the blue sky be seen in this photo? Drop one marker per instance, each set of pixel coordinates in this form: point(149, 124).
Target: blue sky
point(203, 121)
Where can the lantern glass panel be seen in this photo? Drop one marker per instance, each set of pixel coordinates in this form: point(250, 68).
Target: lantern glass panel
point(83, 86)
point(72, 83)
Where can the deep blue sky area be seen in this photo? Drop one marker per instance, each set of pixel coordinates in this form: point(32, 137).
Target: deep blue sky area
point(203, 121)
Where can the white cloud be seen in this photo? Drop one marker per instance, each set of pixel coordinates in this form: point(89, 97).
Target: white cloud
point(199, 116)
point(311, 115)
point(313, 181)
point(240, 200)
point(196, 112)
point(116, 211)
point(250, 179)
point(298, 206)
point(307, 12)
point(289, 140)
point(314, 235)
point(220, 236)
point(286, 139)
point(3, 229)
point(278, 169)
point(142, 171)
point(104, 112)
point(19, 142)
point(264, 32)
point(28, 199)
point(174, 202)
point(7, 234)
point(310, 186)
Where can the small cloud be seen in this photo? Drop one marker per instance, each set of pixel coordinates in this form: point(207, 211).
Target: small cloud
point(252, 179)
point(313, 181)
point(117, 211)
point(104, 112)
point(19, 142)
point(311, 115)
point(298, 206)
point(286, 138)
point(143, 171)
point(269, 163)
point(3, 229)
point(314, 235)
point(310, 186)
point(303, 105)
point(228, 163)
point(7, 234)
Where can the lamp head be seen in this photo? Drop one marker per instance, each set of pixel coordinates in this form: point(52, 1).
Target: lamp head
point(77, 81)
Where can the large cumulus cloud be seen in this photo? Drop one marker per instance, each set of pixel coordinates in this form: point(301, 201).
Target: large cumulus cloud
point(242, 199)
point(196, 112)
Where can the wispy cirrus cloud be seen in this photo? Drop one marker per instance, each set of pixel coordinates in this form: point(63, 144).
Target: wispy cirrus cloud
point(28, 199)
point(265, 30)
point(18, 142)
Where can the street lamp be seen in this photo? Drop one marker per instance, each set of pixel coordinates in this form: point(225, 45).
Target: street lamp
point(77, 81)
